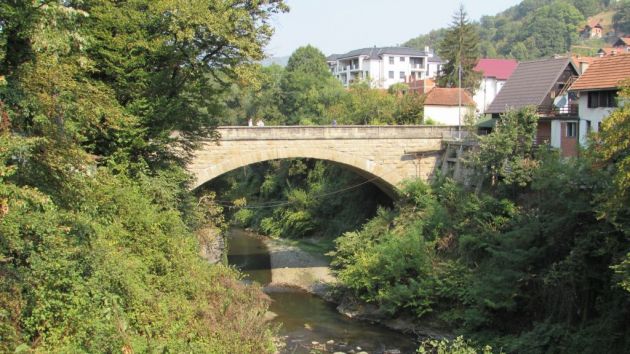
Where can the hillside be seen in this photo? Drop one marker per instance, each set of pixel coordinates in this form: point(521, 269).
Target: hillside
point(540, 28)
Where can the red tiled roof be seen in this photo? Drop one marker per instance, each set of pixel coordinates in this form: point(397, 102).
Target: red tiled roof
point(502, 69)
point(605, 72)
point(447, 97)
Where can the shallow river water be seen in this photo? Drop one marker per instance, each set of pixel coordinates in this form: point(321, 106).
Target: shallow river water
point(304, 318)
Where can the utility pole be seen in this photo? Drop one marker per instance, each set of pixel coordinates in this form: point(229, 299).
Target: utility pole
point(459, 94)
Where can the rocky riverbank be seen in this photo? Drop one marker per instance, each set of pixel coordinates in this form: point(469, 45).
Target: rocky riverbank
point(293, 267)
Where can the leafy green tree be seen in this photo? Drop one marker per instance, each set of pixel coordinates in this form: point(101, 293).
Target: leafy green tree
point(621, 19)
point(553, 28)
point(588, 8)
point(460, 49)
point(308, 87)
point(508, 152)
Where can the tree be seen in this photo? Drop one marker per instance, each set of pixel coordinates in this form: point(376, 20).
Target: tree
point(460, 49)
point(621, 20)
point(507, 152)
point(554, 28)
point(308, 87)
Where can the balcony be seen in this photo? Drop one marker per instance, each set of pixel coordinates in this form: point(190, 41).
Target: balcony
point(567, 111)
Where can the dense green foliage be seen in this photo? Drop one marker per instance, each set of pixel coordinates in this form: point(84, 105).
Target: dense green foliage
point(98, 251)
point(536, 28)
point(460, 49)
point(621, 20)
point(533, 264)
point(299, 198)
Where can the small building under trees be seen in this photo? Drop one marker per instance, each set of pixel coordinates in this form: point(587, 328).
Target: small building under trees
point(442, 105)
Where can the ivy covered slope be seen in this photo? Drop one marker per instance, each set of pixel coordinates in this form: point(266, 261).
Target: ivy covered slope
point(536, 261)
point(97, 245)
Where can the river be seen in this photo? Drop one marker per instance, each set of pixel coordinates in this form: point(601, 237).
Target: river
point(304, 318)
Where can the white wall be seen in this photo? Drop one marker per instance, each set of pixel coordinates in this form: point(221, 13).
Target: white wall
point(378, 70)
point(446, 115)
point(556, 133)
point(595, 115)
point(487, 91)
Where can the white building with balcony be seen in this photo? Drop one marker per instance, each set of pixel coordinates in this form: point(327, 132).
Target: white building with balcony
point(383, 67)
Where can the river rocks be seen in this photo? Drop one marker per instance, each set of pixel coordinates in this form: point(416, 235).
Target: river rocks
point(330, 342)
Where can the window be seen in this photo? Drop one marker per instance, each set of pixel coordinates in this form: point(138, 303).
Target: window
point(402, 59)
point(402, 74)
point(602, 99)
point(571, 130)
point(391, 74)
point(391, 60)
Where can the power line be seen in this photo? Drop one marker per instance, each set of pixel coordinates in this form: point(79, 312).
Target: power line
point(265, 205)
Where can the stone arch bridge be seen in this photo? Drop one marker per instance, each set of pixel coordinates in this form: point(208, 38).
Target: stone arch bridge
point(386, 155)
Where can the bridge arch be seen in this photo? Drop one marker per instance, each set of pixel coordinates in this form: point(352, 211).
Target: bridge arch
point(384, 179)
point(385, 154)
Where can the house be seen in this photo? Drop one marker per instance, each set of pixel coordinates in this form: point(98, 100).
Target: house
point(622, 45)
point(582, 63)
point(421, 87)
point(592, 29)
point(606, 51)
point(442, 105)
point(383, 67)
point(544, 84)
point(597, 90)
point(495, 73)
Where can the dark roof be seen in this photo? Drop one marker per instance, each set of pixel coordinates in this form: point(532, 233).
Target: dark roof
point(435, 59)
point(529, 84)
point(376, 53)
point(604, 73)
point(622, 41)
point(440, 96)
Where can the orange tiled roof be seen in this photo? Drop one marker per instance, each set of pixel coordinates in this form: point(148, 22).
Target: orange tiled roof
point(581, 59)
point(606, 72)
point(440, 96)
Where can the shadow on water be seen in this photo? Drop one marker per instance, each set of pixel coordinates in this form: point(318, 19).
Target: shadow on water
point(305, 318)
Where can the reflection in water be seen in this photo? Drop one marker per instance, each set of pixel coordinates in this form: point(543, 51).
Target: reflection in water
point(305, 318)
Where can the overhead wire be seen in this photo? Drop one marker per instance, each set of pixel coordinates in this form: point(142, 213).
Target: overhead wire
point(275, 204)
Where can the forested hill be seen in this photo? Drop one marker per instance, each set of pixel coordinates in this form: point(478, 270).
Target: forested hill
point(539, 28)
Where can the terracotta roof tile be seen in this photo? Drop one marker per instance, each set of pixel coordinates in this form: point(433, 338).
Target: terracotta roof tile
point(447, 97)
point(605, 72)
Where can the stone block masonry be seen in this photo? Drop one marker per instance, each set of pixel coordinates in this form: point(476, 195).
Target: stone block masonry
point(385, 154)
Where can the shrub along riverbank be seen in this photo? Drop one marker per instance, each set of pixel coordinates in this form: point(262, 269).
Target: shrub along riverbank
point(98, 252)
point(535, 263)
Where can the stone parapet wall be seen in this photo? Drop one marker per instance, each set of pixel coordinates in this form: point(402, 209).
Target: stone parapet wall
point(353, 132)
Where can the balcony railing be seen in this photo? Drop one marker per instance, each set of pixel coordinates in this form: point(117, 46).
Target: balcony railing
point(570, 110)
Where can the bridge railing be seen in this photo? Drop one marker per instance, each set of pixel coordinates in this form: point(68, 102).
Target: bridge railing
point(313, 132)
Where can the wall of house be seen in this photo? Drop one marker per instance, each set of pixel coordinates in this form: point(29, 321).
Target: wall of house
point(446, 115)
point(433, 69)
point(568, 145)
point(595, 115)
point(543, 132)
point(487, 91)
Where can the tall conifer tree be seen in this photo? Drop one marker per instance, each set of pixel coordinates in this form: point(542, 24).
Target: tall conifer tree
point(460, 46)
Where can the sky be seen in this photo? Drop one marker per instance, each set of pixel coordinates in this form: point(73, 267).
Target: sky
point(338, 26)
